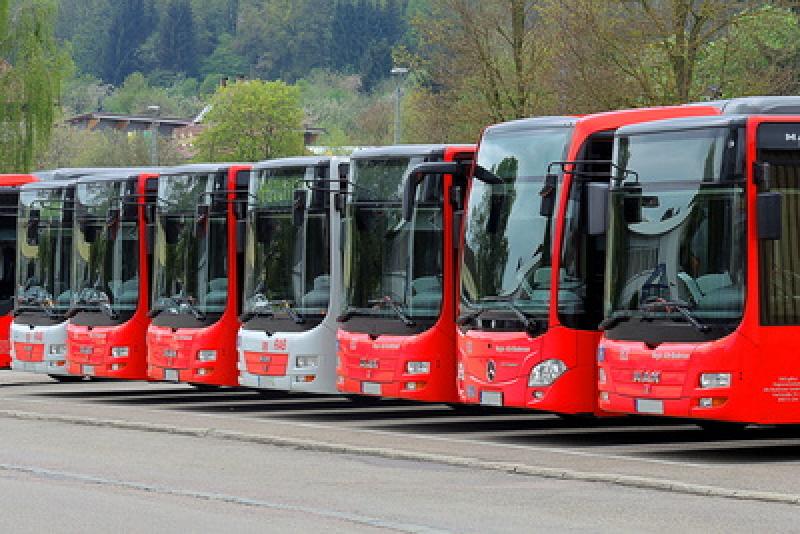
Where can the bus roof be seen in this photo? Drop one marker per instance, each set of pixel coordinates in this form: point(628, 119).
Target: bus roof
point(199, 168)
point(534, 123)
point(681, 124)
point(299, 161)
point(13, 180)
point(399, 151)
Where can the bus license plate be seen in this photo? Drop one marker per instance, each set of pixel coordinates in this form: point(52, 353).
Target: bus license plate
point(650, 406)
point(171, 375)
point(371, 388)
point(491, 398)
point(87, 370)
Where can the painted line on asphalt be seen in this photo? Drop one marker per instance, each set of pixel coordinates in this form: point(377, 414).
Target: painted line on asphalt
point(640, 482)
point(52, 474)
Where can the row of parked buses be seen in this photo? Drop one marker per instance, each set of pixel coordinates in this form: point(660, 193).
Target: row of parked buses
point(642, 261)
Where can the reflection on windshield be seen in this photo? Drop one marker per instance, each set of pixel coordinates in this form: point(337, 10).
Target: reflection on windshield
point(287, 265)
point(393, 268)
point(45, 250)
point(507, 242)
point(191, 246)
point(106, 255)
point(678, 236)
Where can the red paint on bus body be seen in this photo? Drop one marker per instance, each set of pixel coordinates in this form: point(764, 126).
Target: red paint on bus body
point(175, 349)
point(762, 360)
point(387, 355)
point(514, 354)
point(10, 181)
point(91, 346)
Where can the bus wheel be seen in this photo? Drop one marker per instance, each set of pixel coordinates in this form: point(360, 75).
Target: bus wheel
point(66, 378)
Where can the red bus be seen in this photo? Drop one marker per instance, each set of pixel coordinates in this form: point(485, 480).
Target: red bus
point(532, 268)
point(9, 199)
point(703, 280)
point(396, 331)
point(111, 266)
point(197, 274)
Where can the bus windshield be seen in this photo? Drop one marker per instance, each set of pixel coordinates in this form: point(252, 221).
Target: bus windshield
point(44, 254)
point(508, 243)
point(287, 265)
point(677, 233)
point(106, 256)
point(190, 261)
point(392, 267)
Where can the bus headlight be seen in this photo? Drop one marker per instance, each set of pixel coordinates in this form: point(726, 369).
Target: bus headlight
point(119, 352)
point(715, 380)
point(304, 362)
point(418, 368)
point(57, 349)
point(546, 372)
point(206, 355)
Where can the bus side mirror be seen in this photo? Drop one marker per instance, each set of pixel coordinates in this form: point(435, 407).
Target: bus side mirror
point(548, 193)
point(263, 228)
point(597, 208)
point(299, 203)
point(172, 230)
point(32, 228)
point(201, 221)
point(769, 215)
point(415, 177)
point(130, 208)
point(632, 208)
point(89, 231)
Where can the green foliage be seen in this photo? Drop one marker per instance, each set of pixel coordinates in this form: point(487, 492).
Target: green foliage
point(131, 24)
point(32, 67)
point(252, 121)
point(765, 41)
point(75, 147)
point(136, 94)
point(176, 38)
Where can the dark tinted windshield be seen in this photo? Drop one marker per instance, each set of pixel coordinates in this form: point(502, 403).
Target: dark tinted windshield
point(389, 263)
point(44, 254)
point(677, 235)
point(287, 264)
point(508, 244)
point(191, 245)
point(106, 255)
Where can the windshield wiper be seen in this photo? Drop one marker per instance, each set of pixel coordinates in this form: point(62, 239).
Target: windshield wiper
point(613, 320)
point(388, 301)
point(293, 315)
point(680, 306)
point(531, 325)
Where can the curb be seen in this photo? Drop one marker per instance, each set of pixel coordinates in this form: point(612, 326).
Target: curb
point(630, 481)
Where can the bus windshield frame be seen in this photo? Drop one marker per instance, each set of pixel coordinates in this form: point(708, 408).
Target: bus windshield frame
point(677, 238)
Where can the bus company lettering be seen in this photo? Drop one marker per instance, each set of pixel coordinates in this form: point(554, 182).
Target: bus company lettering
point(386, 346)
point(511, 348)
point(670, 355)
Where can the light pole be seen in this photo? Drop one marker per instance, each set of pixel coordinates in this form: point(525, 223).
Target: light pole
point(400, 72)
point(154, 134)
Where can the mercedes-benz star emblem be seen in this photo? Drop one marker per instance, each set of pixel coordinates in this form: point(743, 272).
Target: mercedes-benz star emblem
point(491, 370)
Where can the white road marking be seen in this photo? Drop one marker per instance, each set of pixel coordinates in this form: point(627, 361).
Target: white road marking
point(52, 474)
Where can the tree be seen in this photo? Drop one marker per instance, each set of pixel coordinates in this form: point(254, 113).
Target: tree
point(32, 67)
point(176, 38)
point(622, 53)
point(486, 59)
point(252, 121)
point(284, 39)
point(131, 24)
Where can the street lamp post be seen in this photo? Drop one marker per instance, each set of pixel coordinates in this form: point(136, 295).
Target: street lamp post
point(400, 72)
point(154, 134)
